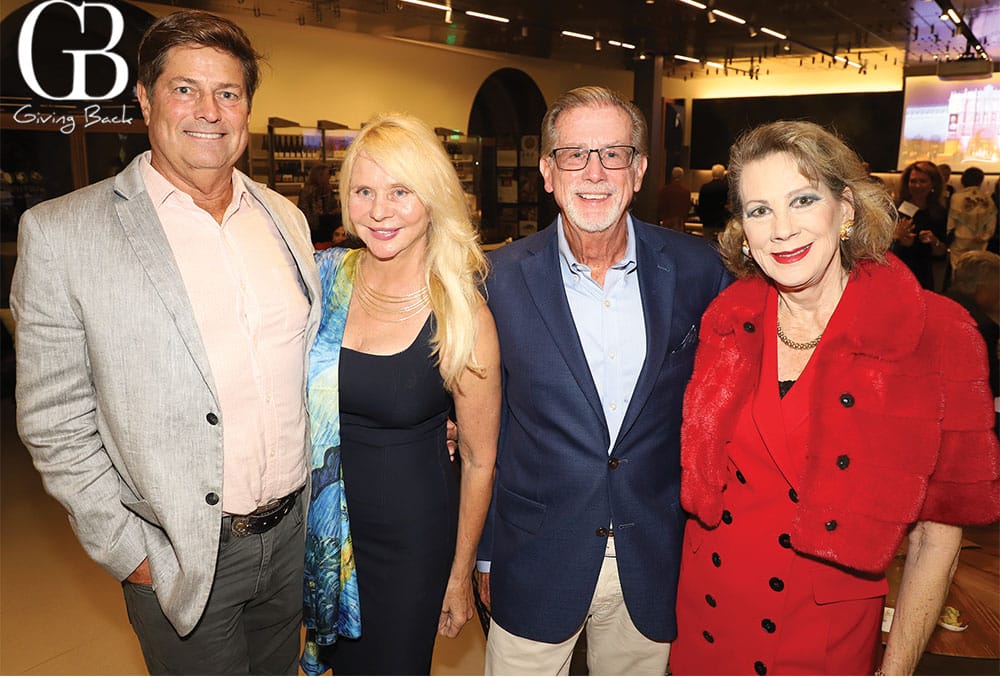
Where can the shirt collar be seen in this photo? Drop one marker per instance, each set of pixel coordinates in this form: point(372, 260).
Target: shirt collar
point(626, 263)
point(160, 189)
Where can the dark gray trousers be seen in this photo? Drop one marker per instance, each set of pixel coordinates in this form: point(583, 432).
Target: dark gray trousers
point(251, 625)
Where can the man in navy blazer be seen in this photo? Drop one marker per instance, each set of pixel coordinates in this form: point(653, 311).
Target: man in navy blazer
point(598, 320)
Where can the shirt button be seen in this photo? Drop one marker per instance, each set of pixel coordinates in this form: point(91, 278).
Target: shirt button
point(607, 304)
point(614, 407)
point(708, 636)
point(793, 495)
point(711, 601)
point(843, 461)
point(847, 400)
point(768, 625)
point(727, 517)
point(740, 477)
point(212, 418)
point(212, 498)
point(760, 668)
point(749, 328)
point(785, 541)
point(716, 559)
point(831, 525)
point(611, 355)
point(776, 584)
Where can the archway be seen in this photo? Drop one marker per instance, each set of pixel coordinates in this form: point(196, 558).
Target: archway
point(509, 106)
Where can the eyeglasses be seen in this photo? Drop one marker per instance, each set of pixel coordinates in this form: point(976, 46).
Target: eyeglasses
point(612, 157)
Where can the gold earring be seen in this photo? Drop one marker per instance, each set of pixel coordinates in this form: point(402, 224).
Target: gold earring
point(746, 248)
point(846, 229)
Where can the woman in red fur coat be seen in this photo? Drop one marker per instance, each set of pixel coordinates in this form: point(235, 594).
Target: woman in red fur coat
point(835, 408)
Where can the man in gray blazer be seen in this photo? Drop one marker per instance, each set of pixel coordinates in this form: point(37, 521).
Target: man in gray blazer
point(164, 317)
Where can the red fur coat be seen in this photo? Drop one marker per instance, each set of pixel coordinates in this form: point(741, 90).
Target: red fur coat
point(901, 393)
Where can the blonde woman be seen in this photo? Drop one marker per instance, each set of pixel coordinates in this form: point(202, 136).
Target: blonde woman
point(405, 339)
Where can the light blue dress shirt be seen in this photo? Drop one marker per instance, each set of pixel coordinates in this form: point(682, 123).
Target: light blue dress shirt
point(610, 323)
point(612, 329)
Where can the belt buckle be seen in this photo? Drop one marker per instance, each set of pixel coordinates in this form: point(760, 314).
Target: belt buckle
point(240, 526)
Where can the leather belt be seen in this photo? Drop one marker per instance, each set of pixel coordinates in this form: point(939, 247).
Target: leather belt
point(264, 518)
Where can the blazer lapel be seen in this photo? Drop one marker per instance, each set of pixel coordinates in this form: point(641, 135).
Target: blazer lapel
point(142, 228)
point(657, 280)
point(543, 277)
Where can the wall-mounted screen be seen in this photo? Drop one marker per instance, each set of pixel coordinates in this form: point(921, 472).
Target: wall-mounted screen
point(869, 122)
point(957, 122)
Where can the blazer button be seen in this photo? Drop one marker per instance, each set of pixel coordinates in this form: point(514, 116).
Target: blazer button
point(793, 495)
point(212, 418)
point(612, 462)
point(212, 498)
point(847, 400)
point(785, 541)
point(768, 625)
point(727, 517)
point(759, 668)
point(602, 532)
point(831, 525)
point(843, 461)
point(776, 584)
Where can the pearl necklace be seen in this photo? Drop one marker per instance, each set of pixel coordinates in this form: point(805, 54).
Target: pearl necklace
point(795, 345)
point(385, 307)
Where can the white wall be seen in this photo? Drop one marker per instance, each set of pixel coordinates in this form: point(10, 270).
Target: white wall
point(321, 73)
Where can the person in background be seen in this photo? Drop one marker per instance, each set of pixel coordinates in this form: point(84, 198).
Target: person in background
point(825, 374)
point(340, 238)
point(319, 204)
point(947, 190)
point(405, 337)
point(163, 320)
point(713, 203)
point(598, 319)
point(920, 236)
point(872, 177)
point(972, 219)
point(674, 201)
point(975, 285)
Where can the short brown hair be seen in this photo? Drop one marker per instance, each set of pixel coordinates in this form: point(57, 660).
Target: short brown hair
point(201, 29)
point(823, 158)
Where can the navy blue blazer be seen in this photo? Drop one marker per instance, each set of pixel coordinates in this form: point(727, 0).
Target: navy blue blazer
point(557, 490)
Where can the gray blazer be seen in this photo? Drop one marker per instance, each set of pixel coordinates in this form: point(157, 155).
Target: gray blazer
point(115, 397)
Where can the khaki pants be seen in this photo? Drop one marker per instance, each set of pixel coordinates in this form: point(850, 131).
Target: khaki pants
point(614, 645)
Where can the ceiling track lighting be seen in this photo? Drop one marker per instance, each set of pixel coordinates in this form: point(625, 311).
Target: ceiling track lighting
point(729, 17)
point(425, 3)
point(487, 17)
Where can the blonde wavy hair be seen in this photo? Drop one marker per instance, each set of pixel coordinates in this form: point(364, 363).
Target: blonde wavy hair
point(823, 158)
point(408, 149)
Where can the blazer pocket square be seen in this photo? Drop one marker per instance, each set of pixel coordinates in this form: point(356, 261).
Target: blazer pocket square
point(689, 340)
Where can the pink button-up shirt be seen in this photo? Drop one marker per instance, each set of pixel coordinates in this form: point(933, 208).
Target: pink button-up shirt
point(251, 309)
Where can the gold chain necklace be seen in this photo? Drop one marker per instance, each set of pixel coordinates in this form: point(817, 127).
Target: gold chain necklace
point(385, 307)
point(795, 345)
